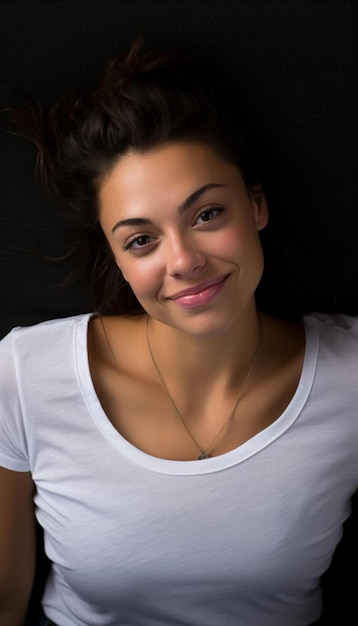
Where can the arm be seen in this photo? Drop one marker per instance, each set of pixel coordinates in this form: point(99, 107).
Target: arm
point(17, 545)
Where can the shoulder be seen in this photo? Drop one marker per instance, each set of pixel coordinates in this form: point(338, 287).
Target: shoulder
point(338, 321)
point(25, 345)
point(337, 331)
point(53, 328)
point(332, 340)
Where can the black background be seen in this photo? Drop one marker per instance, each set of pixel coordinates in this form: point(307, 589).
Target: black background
point(295, 63)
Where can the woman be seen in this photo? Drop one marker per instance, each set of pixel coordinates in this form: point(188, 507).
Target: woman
point(191, 459)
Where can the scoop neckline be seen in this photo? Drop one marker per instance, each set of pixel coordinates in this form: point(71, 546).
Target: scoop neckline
point(206, 466)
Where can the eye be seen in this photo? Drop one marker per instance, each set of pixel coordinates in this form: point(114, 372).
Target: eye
point(138, 242)
point(208, 214)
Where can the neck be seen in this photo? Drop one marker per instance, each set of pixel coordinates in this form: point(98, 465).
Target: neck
point(219, 360)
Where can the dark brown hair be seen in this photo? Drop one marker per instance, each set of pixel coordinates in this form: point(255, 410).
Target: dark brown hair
point(144, 99)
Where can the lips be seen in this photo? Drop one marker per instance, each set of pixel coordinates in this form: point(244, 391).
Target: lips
point(200, 294)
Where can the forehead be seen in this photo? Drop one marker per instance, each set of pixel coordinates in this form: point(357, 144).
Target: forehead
point(172, 167)
point(163, 177)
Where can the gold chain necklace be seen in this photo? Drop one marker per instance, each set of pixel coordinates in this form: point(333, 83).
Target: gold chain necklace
point(205, 452)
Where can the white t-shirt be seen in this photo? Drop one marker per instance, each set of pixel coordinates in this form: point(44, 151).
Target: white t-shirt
point(240, 539)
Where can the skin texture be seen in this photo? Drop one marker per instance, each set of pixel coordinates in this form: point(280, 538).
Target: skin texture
point(17, 545)
point(179, 217)
point(215, 237)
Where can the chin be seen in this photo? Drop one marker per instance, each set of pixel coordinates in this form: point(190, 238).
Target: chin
point(206, 325)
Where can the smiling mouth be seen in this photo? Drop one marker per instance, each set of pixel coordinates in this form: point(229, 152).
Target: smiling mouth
point(200, 294)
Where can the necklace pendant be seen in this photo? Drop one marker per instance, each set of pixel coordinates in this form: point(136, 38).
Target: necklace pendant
point(203, 455)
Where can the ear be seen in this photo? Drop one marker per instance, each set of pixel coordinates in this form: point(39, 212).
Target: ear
point(260, 207)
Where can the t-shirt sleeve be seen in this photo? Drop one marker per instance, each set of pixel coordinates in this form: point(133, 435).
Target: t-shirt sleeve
point(13, 440)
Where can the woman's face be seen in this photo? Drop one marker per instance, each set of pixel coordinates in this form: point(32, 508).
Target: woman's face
point(183, 229)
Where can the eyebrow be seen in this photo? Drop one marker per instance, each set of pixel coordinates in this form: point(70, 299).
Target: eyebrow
point(142, 221)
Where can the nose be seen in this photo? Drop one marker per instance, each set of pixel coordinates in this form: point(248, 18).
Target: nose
point(183, 256)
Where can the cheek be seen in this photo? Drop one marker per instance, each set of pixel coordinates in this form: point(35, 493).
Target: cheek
point(238, 242)
point(142, 275)
point(136, 271)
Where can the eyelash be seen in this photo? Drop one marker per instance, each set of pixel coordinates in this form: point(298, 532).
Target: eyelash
point(218, 209)
point(214, 208)
point(130, 244)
